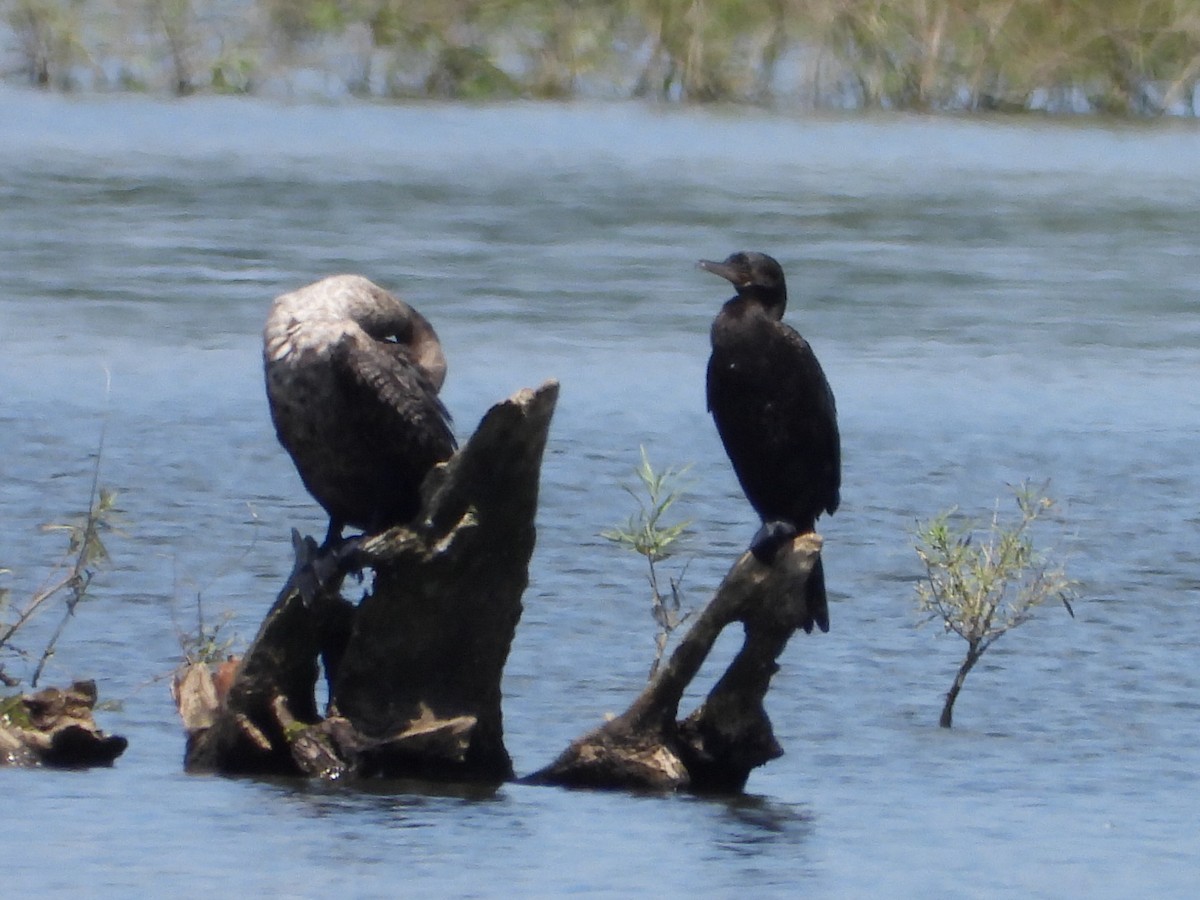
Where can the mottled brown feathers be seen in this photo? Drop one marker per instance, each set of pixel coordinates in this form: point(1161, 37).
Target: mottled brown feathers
point(352, 375)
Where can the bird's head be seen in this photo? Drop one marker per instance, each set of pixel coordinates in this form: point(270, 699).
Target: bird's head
point(389, 319)
point(756, 276)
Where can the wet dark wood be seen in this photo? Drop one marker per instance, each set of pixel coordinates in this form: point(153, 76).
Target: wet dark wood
point(55, 727)
point(415, 668)
point(717, 746)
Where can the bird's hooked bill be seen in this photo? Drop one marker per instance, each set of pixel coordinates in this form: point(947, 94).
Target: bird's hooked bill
point(724, 270)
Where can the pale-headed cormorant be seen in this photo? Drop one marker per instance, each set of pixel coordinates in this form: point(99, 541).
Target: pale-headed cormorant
point(775, 413)
point(353, 375)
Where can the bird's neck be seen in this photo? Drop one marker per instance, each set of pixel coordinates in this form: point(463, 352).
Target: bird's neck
point(750, 302)
point(427, 351)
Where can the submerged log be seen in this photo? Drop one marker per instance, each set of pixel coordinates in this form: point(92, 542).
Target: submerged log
point(55, 727)
point(717, 746)
point(413, 670)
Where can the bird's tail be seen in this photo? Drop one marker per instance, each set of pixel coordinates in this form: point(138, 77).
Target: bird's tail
point(815, 599)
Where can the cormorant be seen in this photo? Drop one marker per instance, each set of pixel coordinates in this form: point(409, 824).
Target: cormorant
point(353, 375)
point(775, 413)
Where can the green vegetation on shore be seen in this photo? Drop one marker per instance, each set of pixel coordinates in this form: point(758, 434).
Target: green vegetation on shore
point(1137, 57)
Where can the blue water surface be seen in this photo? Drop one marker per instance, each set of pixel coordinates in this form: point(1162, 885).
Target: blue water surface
point(992, 300)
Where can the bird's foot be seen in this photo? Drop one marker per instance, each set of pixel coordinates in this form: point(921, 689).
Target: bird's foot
point(768, 539)
point(319, 570)
point(341, 557)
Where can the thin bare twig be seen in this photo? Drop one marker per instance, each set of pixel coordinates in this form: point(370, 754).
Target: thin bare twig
point(85, 541)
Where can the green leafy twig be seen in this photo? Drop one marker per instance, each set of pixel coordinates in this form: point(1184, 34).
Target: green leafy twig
point(646, 534)
point(982, 588)
point(85, 550)
point(72, 576)
point(207, 644)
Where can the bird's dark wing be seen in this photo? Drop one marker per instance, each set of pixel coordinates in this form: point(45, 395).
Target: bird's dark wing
point(388, 386)
point(820, 409)
point(777, 418)
point(401, 428)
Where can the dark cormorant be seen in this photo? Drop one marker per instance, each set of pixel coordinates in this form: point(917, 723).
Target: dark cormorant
point(353, 375)
point(775, 413)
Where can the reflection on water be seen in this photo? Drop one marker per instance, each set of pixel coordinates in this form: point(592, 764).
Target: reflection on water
point(750, 822)
point(991, 300)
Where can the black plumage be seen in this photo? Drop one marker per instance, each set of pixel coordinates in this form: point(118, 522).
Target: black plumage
point(352, 375)
point(775, 413)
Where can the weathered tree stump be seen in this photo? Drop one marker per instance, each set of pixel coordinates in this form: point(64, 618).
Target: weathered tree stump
point(54, 727)
point(414, 670)
point(717, 746)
